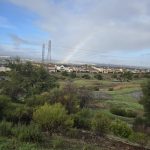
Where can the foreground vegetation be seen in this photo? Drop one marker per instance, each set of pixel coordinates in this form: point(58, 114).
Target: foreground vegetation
point(39, 110)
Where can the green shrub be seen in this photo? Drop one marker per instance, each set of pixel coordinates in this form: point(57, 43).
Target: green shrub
point(12, 144)
point(98, 77)
point(57, 142)
point(118, 111)
point(52, 118)
point(121, 128)
point(111, 89)
point(131, 113)
point(139, 124)
point(4, 102)
point(86, 147)
point(67, 96)
point(96, 88)
point(37, 100)
point(5, 128)
point(73, 75)
point(139, 138)
point(65, 73)
point(19, 113)
point(100, 124)
point(27, 146)
point(28, 133)
point(73, 133)
point(7, 144)
point(86, 76)
point(123, 112)
point(83, 119)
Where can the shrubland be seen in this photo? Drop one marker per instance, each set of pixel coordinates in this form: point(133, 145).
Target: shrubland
point(35, 108)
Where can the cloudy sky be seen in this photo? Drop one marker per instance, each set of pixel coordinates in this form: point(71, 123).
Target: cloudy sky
point(102, 31)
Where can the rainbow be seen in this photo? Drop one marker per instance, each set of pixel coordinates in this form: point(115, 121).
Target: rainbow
point(78, 47)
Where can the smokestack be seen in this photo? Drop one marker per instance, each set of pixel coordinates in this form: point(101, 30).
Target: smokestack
point(43, 52)
point(49, 52)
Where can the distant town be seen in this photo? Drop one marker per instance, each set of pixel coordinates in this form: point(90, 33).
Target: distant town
point(78, 68)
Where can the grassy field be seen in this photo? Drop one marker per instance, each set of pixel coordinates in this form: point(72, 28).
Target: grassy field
point(124, 95)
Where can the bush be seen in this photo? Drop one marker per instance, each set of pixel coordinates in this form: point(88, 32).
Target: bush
point(27, 146)
point(121, 129)
point(73, 133)
point(57, 142)
point(37, 100)
point(118, 111)
point(65, 73)
point(111, 89)
point(146, 99)
point(52, 118)
point(5, 128)
point(139, 138)
point(84, 96)
point(83, 119)
point(123, 112)
point(131, 113)
point(67, 97)
point(98, 77)
point(96, 88)
point(4, 102)
point(12, 144)
point(7, 144)
point(100, 124)
point(86, 76)
point(73, 75)
point(28, 133)
point(139, 124)
point(19, 113)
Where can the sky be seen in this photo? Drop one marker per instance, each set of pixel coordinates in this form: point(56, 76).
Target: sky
point(96, 31)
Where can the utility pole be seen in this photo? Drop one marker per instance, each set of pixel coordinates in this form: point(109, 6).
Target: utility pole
point(49, 52)
point(43, 52)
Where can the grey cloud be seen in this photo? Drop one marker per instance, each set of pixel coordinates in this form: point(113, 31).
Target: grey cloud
point(18, 41)
point(114, 25)
point(10, 50)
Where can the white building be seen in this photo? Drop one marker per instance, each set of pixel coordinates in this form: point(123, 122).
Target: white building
point(4, 69)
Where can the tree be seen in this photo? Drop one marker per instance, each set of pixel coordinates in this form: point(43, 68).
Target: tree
point(67, 97)
point(84, 97)
point(146, 100)
point(86, 76)
point(52, 118)
point(19, 113)
point(26, 80)
point(100, 124)
point(126, 76)
point(83, 118)
point(98, 76)
point(73, 75)
point(65, 73)
point(4, 102)
point(121, 128)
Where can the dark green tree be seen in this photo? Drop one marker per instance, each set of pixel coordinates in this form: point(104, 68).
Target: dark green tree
point(86, 76)
point(146, 100)
point(73, 75)
point(4, 102)
point(26, 80)
point(98, 77)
